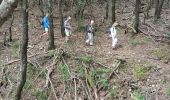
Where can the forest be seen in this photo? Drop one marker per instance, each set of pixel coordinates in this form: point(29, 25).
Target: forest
point(84, 49)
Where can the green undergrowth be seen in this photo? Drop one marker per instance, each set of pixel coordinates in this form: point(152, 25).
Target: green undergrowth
point(137, 95)
point(168, 91)
point(15, 47)
point(142, 69)
point(135, 41)
point(162, 53)
point(40, 94)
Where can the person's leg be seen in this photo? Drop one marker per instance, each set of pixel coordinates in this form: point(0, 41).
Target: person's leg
point(114, 42)
point(46, 31)
point(88, 38)
point(67, 34)
point(91, 38)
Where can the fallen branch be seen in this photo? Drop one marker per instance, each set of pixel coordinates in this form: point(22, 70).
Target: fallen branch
point(17, 60)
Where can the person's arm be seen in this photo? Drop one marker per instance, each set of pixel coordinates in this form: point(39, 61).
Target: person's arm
point(47, 22)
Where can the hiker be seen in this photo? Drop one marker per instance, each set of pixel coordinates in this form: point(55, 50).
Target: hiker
point(45, 23)
point(90, 33)
point(113, 35)
point(67, 27)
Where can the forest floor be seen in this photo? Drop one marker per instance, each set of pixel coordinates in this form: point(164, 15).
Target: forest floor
point(143, 64)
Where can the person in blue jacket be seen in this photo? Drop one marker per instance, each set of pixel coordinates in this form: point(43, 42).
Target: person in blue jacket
point(45, 23)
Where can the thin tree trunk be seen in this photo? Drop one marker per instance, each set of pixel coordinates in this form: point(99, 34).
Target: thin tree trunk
point(10, 28)
point(113, 11)
point(51, 34)
point(136, 20)
point(61, 18)
point(107, 9)
point(24, 45)
point(156, 9)
point(4, 38)
point(160, 8)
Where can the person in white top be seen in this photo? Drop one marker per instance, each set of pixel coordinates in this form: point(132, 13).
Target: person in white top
point(90, 33)
point(113, 35)
point(67, 26)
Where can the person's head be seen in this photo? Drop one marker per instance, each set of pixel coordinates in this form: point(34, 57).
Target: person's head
point(91, 22)
point(69, 18)
point(114, 24)
point(47, 14)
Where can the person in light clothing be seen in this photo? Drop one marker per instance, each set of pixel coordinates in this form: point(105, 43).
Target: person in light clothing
point(113, 35)
point(90, 33)
point(67, 27)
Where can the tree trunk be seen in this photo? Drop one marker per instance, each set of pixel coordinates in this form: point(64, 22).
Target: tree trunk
point(156, 9)
point(24, 44)
point(161, 2)
point(51, 34)
point(136, 20)
point(10, 28)
point(107, 9)
point(4, 38)
point(113, 11)
point(6, 8)
point(61, 18)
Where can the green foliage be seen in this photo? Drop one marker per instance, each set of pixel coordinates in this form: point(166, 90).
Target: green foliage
point(168, 91)
point(51, 52)
point(27, 86)
point(161, 53)
point(142, 69)
point(134, 42)
point(104, 83)
point(137, 95)
point(30, 69)
point(113, 91)
point(86, 59)
point(139, 71)
point(64, 71)
point(99, 76)
point(81, 2)
point(40, 95)
point(42, 73)
point(15, 46)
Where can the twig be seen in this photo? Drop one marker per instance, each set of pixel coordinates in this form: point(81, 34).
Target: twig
point(62, 96)
point(113, 71)
point(48, 80)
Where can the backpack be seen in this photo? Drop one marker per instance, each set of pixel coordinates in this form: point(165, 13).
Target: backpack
point(87, 28)
point(108, 30)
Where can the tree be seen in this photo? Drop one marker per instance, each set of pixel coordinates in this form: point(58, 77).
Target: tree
point(24, 45)
point(6, 8)
point(158, 8)
point(10, 28)
point(51, 34)
point(137, 12)
point(61, 18)
point(113, 11)
point(107, 9)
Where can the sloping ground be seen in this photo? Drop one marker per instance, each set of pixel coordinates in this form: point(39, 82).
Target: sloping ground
point(147, 68)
